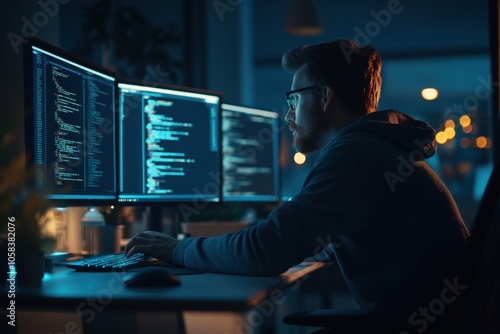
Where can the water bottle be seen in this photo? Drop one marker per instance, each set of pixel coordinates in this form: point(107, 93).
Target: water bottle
point(92, 221)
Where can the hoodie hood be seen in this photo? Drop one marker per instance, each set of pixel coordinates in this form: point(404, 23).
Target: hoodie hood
point(399, 128)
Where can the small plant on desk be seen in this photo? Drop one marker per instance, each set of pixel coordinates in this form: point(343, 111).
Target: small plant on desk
point(23, 209)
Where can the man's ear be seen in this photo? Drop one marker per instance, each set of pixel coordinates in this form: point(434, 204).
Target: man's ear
point(328, 95)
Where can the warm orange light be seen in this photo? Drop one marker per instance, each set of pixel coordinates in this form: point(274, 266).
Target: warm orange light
point(449, 124)
point(481, 142)
point(465, 121)
point(464, 143)
point(448, 145)
point(299, 158)
point(429, 93)
point(467, 129)
point(441, 137)
point(450, 133)
point(464, 168)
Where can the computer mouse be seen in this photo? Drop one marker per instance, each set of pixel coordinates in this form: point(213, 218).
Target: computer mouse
point(151, 277)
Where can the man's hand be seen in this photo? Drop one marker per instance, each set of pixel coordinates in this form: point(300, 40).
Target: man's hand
point(155, 244)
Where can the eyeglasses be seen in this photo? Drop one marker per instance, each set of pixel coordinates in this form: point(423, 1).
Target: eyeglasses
point(292, 102)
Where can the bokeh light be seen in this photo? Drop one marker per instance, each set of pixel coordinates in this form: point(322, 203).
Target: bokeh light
point(441, 137)
point(450, 133)
point(481, 142)
point(465, 121)
point(429, 93)
point(299, 158)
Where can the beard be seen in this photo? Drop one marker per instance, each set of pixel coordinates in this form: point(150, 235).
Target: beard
point(306, 138)
point(304, 144)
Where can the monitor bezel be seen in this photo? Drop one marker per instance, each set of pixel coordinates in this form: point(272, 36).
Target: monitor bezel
point(276, 144)
point(29, 121)
point(196, 203)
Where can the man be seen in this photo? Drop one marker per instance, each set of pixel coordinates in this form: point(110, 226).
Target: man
point(395, 230)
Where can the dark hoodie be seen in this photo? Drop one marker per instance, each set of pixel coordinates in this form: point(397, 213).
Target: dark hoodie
point(394, 228)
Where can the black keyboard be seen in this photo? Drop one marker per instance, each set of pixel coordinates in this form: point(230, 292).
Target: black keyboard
point(110, 262)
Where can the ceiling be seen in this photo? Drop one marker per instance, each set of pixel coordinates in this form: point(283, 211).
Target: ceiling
point(413, 27)
point(442, 44)
point(423, 43)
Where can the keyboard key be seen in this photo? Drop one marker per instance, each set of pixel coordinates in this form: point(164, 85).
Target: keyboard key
point(110, 262)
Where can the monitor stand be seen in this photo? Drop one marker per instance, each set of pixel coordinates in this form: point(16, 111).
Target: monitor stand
point(155, 218)
point(164, 219)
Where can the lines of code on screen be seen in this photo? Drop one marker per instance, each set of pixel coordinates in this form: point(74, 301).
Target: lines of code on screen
point(74, 129)
point(169, 146)
point(250, 154)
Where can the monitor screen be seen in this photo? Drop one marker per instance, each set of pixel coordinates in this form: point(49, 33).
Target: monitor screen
point(169, 142)
point(70, 126)
point(250, 146)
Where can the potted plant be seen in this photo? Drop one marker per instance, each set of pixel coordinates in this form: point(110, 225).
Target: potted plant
point(22, 210)
point(128, 43)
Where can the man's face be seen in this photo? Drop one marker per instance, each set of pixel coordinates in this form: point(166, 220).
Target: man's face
point(305, 121)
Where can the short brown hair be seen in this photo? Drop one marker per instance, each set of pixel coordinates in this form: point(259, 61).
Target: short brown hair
point(352, 71)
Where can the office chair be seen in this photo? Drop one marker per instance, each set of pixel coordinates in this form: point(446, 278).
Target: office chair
point(479, 270)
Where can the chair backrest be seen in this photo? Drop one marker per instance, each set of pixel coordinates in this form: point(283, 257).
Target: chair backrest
point(481, 270)
point(482, 223)
point(467, 295)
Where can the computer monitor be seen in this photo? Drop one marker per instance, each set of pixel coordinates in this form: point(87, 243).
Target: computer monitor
point(169, 144)
point(250, 147)
point(69, 126)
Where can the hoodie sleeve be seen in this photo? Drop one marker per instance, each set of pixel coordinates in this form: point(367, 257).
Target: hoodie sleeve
point(295, 230)
point(269, 247)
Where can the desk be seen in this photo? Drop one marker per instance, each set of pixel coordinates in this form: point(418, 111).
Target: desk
point(94, 296)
